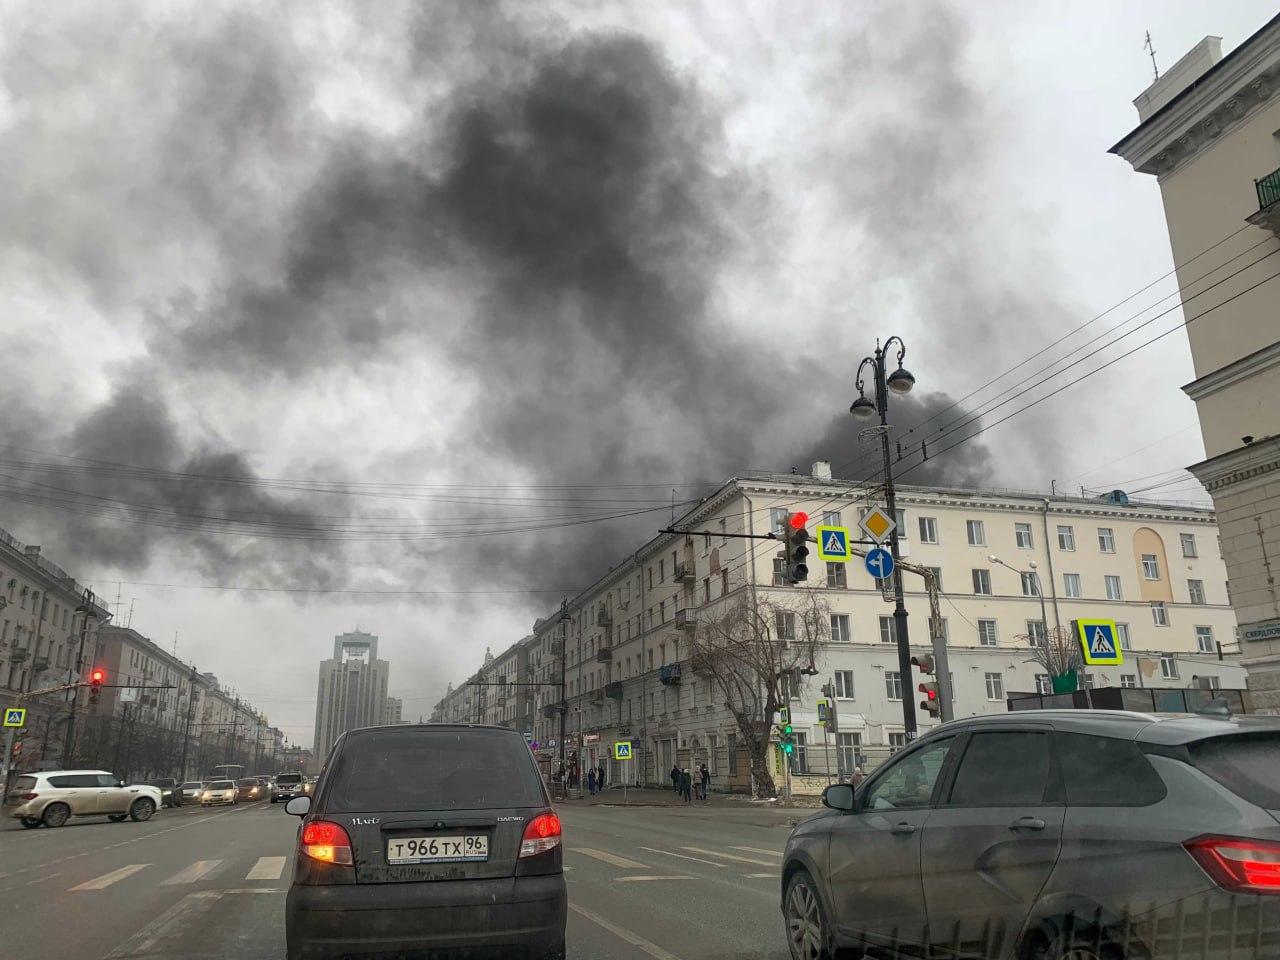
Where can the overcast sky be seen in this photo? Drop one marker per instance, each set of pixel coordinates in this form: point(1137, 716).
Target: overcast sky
point(336, 286)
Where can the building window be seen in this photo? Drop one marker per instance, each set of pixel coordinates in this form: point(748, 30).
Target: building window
point(778, 519)
point(840, 627)
point(1128, 681)
point(1022, 534)
point(1036, 632)
point(982, 581)
point(724, 526)
point(1030, 584)
point(844, 684)
point(1159, 614)
point(784, 621)
point(1043, 685)
point(888, 630)
point(1071, 585)
point(900, 517)
point(1113, 587)
point(1066, 537)
point(733, 754)
point(937, 577)
point(1106, 540)
point(1195, 590)
point(724, 581)
point(801, 756)
point(785, 692)
point(977, 535)
point(944, 629)
point(1150, 566)
point(1204, 640)
point(893, 684)
point(995, 686)
point(1122, 634)
point(1168, 666)
point(1188, 544)
point(928, 530)
point(836, 576)
point(831, 518)
point(779, 571)
point(706, 589)
point(897, 741)
point(987, 633)
point(1087, 681)
point(848, 744)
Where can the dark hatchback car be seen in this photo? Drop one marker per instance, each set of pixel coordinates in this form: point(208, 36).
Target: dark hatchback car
point(1050, 835)
point(426, 840)
point(170, 791)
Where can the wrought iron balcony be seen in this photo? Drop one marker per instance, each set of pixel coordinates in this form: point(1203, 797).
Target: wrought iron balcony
point(604, 654)
point(670, 673)
point(1268, 215)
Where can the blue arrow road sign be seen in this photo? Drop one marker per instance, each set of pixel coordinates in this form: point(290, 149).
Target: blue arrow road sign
point(879, 563)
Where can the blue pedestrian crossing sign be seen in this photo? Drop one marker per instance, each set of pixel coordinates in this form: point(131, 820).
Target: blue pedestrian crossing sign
point(1099, 642)
point(15, 716)
point(622, 750)
point(879, 563)
point(833, 543)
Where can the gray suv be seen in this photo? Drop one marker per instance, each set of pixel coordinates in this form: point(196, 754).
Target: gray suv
point(1050, 835)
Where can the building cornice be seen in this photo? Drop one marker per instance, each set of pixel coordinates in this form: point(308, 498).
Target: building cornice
point(1250, 462)
point(1221, 99)
point(1255, 363)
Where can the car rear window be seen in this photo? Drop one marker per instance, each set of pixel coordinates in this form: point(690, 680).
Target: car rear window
point(433, 770)
point(1248, 765)
point(1104, 772)
point(288, 779)
point(248, 783)
point(24, 784)
point(192, 785)
point(222, 785)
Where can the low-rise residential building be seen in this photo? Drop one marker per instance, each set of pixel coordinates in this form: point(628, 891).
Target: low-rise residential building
point(626, 665)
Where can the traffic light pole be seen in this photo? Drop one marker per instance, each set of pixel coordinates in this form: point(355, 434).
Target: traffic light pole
point(86, 611)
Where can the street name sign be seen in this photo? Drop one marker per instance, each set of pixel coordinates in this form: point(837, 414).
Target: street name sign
point(879, 563)
point(833, 544)
point(622, 750)
point(15, 717)
point(1099, 642)
point(877, 524)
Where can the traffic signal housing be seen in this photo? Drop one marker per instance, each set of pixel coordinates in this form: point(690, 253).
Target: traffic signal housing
point(932, 702)
point(96, 676)
point(786, 733)
point(796, 543)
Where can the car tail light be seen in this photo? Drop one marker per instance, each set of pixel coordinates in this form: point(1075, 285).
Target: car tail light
point(540, 835)
point(27, 796)
point(327, 842)
point(1239, 864)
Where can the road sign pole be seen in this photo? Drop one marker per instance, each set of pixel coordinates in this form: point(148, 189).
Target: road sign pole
point(8, 756)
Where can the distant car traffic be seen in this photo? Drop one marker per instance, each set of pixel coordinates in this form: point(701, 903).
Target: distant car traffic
point(425, 838)
point(1053, 835)
point(287, 786)
point(170, 791)
point(191, 791)
point(218, 791)
point(250, 789)
point(53, 797)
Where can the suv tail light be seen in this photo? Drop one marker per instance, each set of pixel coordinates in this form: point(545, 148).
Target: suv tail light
point(1239, 864)
point(541, 834)
point(27, 796)
point(327, 842)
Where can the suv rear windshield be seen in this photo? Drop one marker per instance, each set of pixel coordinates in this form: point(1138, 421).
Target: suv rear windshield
point(433, 770)
point(1248, 765)
point(288, 779)
point(24, 784)
point(192, 785)
point(222, 785)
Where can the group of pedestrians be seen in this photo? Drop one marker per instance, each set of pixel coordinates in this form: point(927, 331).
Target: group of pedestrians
point(595, 779)
point(690, 785)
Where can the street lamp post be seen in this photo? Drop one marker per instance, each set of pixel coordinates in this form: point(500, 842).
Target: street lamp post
point(900, 382)
point(1044, 623)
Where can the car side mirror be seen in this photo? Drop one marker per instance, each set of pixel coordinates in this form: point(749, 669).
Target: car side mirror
point(119, 783)
point(839, 796)
point(298, 806)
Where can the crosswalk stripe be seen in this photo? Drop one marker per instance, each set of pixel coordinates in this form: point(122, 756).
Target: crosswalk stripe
point(107, 879)
point(684, 856)
point(610, 858)
point(267, 868)
point(771, 853)
point(191, 874)
point(730, 856)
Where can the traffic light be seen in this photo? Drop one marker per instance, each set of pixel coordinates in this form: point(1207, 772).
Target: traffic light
point(796, 539)
point(786, 733)
point(95, 683)
point(931, 704)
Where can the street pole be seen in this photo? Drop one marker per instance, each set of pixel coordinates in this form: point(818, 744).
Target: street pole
point(564, 706)
point(85, 611)
point(186, 734)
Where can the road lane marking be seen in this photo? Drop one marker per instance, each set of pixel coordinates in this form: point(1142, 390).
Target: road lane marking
point(771, 853)
point(771, 876)
point(175, 920)
point(191, 874)
point(267, 868)
point(730, 856)
point(684, 856)
point(107, 879)
point(609, 858)
point(635, 879)
point(652, 949)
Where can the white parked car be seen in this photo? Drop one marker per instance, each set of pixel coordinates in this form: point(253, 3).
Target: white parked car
point(218, 791)
point(52, 797)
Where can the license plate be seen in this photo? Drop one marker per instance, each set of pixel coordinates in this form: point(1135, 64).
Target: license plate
point(438, 849)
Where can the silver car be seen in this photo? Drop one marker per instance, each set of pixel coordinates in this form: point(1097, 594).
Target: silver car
point(51, 798)
point(1050, 835)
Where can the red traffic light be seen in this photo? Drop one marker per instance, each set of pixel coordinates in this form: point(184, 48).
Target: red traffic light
point(97, 676)
point(929, 690)
point(798, 520)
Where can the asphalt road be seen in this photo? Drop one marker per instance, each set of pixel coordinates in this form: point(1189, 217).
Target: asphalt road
point(192, 884)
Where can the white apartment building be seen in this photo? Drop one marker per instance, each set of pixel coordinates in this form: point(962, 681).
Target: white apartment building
point(1209, 132)
point(1153, 568)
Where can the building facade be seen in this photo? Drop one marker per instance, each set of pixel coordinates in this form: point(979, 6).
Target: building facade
point(626, 641)
point(1209, 132)
point(352, 691)
point(43, 615)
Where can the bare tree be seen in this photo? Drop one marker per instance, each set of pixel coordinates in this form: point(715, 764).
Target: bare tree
point(1058, 652)
point(747, 650)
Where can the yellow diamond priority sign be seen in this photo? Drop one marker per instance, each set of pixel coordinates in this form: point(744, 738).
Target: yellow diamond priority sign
point(877, 524)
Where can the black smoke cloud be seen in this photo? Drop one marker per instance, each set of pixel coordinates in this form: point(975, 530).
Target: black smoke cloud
point(572, 199)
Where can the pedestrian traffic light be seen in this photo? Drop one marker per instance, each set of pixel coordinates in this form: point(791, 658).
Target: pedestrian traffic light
point(95, 683)
point(796, 539)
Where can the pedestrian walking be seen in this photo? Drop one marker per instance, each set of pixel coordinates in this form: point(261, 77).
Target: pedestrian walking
point(858, 776)
point(600, 778)
point(591, 781)
point(704, 781)
point(686, 786)
point(675, 778)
